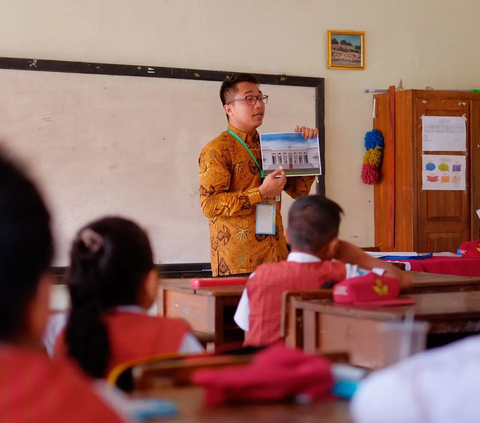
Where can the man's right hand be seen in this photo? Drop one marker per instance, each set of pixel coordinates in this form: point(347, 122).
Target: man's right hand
point(273, 186)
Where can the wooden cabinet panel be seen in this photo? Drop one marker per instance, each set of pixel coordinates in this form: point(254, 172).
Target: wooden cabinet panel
point(474, 152)
point(442, 240)
point(437, 208)
point(424, 221)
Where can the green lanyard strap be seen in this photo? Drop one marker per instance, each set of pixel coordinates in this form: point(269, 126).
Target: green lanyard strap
point(234, 135)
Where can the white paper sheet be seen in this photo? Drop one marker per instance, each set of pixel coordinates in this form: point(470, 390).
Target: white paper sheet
point(444, 133)
point(379, 254)
point(265, 221)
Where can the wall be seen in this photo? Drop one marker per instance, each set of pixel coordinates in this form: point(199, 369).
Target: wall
point(427, 42)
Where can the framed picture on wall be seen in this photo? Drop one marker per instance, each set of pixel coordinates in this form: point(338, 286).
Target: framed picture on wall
point(346, 49)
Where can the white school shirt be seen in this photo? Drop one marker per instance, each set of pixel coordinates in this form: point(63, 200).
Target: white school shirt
point(441, 385)
point(57, 322)
point(243, 309)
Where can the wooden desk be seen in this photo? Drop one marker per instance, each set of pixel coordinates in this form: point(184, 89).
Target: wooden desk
point(192, 410)
point(426, 283)
point(465, 266)
point(208, 311)
point(355, 329)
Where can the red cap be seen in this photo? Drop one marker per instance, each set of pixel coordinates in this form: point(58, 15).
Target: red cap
point(470, 249)
point(370, 289)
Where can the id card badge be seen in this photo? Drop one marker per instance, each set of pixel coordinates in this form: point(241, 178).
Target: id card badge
point(265, 221)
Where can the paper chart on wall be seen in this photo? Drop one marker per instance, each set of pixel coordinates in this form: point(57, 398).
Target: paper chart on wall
point(443, 172)
point(444, 133)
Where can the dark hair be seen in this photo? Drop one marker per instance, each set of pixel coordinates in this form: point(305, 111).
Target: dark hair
point(313, 221)
point(228, 90)
point(109, 260)
point(26, 245)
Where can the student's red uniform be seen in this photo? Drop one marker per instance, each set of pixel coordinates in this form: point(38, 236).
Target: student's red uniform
point(35, 389)
point(136, 335)
point(265, 290)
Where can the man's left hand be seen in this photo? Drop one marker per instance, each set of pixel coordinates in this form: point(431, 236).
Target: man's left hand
point(307, 133)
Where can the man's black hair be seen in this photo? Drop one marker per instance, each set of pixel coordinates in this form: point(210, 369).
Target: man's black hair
point(228, 90)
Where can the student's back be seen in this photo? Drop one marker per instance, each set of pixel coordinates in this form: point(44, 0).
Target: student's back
point(113, 282)
point(33, 388)
point(440, 385)
point(265, 290)
point(36, 389)
point(134, 335)
point(313, 224)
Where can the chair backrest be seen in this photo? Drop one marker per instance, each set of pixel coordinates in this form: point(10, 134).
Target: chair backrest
point(291, 328)
point(118, 371)
point(173, 367)
point(177, 371)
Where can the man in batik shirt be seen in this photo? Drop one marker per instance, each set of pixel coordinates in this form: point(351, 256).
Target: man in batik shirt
point(231, 186)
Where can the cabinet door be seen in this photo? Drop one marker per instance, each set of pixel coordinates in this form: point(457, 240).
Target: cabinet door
point(443, 217)
point(474, 149)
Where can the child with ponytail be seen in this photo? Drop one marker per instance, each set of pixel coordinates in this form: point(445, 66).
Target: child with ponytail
point(112, 283)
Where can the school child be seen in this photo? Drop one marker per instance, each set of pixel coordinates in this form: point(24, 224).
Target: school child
point(440, 385)
point(35, 389)
point(312, 232)
point(112, 283)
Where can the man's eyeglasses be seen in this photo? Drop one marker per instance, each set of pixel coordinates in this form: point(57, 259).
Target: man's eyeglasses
point(252, 99)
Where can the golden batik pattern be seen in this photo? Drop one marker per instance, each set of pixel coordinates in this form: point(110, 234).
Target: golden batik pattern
point(229, 181)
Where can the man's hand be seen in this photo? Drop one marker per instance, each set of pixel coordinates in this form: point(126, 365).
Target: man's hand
point(307, 133)
point(273, 186)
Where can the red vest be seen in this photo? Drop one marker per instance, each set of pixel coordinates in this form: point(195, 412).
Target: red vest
point(137, 335)
point(265, 290)
point(35, 389)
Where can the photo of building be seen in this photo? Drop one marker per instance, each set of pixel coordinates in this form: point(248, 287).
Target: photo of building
point(294, 153)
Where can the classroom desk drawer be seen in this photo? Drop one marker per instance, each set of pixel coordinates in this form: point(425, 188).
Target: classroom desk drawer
point(208, 311)
point(197, 310)
point(355, 329)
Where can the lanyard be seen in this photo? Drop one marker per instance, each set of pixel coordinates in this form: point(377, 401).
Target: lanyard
point(234, 135)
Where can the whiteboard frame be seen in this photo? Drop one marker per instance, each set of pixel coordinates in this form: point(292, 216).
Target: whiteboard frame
point(142, 71)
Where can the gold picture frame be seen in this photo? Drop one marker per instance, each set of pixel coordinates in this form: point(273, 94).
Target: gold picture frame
point(346, 49)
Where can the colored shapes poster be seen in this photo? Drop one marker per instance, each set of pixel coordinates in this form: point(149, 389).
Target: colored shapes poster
point(443, 172)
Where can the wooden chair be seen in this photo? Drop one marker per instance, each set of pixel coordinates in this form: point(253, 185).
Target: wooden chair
point(121, 375)
point(291, 328)
point(174, 368)
point(176, 371)
point(170, 369)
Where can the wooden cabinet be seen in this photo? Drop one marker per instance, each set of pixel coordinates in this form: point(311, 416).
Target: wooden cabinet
point(408, 218)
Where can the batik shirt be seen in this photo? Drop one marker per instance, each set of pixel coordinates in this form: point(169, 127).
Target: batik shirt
point(229, 182)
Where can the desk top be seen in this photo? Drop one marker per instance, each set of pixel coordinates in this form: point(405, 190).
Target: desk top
point(183, 285)
point(431, 307)
point(465, 266)
point(422, 282)
point(192, 410)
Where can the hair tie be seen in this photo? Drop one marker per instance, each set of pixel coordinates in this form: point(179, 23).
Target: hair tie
point(91, 239)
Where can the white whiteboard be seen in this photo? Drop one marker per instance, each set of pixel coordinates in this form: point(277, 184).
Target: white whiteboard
point(118, 145)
